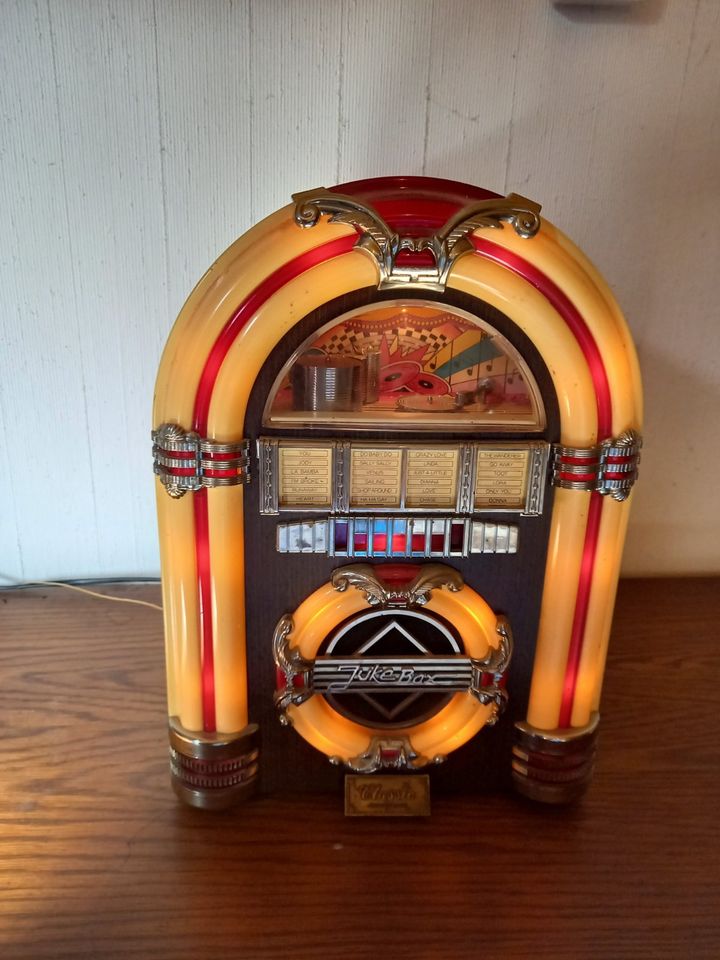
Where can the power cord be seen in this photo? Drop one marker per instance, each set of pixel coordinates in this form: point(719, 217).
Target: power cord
point(91, 593)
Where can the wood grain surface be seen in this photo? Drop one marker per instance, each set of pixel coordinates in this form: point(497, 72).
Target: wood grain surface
point(98, 860)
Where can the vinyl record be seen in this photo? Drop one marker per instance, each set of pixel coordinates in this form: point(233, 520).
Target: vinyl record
point(428, 385)
point(395, 376)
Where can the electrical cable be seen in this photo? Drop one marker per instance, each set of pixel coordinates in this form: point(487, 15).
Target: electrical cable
point(73, 586)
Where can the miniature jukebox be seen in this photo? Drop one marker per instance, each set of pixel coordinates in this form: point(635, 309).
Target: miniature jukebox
point(396, 428)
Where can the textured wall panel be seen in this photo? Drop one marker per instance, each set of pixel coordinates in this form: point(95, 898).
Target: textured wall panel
point(139, 138)
point(385, 49)
point(204, 98)
point(108, 117)
point(48, 520)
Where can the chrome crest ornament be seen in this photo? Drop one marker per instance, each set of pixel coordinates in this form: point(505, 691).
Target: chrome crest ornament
point(396, 753)
point(416, 593)
point(385, 246)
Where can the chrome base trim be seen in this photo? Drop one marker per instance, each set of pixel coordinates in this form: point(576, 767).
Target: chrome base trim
point(213, 771)
point(554, 766)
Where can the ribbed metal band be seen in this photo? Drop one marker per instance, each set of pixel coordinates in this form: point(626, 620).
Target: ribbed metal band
point(213, 771)
point(610, 468)
point(554, 766)
point(184, 461)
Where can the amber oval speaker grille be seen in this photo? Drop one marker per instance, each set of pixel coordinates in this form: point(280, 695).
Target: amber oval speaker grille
point(389, 633)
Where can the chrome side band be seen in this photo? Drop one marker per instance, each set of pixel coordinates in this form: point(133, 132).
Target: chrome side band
point(611, 468)
point(184, 461)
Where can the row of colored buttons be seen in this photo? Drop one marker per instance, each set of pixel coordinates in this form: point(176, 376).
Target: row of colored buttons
point(396, 537)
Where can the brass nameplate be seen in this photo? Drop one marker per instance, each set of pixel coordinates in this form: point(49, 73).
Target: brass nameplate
point(375, 477)
point(305, 476)
point(387, 796)
point(431, 478)
point(501, 478)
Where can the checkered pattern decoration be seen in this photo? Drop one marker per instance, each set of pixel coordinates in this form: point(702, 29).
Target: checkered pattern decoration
point(349, 341)
point(408, 339)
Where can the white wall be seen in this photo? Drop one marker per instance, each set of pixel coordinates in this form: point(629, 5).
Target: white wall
point(139, 138)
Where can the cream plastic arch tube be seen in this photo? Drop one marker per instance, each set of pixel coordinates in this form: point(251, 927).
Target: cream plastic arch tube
point(208, 309)
point(572, 273)
point(575, 393)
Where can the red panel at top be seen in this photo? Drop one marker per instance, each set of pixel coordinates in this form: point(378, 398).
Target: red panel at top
point(414, 205)
point(395, 573)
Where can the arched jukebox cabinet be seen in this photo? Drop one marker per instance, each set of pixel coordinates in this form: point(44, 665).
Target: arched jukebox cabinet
point(395, 433)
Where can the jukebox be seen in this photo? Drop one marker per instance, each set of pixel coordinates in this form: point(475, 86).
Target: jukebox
point(396, 428)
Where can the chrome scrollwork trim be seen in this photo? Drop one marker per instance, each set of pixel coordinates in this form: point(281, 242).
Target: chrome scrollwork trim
point(267, 454)
point(341, 479)
point(383, 244)
point(610, 468)
point(495, 664)
point(362, 577)
point(383, 753)
point(537, 479)
point(376, 237)
point(295, 668)
point(417, 593)
point(183, 461)
point(465, 485)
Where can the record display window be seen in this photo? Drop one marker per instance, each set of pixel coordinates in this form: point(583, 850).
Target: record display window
point(406, 365)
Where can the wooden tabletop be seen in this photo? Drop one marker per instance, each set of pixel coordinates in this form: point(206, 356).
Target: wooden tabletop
point(97, 859)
